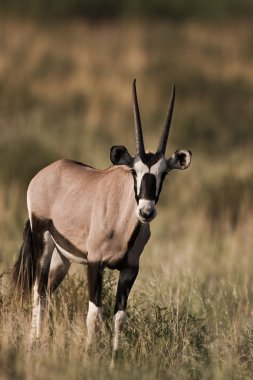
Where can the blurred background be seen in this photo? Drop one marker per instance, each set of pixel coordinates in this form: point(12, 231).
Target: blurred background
point(66, 70)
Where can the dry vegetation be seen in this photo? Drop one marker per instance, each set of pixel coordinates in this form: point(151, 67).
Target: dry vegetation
point(65, 91)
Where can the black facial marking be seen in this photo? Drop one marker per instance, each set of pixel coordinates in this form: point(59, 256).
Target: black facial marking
point(148, 187)
point(160, 187)
point(150, 159)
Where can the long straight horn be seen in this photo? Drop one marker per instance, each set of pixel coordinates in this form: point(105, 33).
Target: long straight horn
point(165, 133)
point(137, 120)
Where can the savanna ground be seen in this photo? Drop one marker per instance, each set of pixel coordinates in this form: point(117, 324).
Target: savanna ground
point(65, 91)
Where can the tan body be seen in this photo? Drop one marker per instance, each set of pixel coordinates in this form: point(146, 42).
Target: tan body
point(86, 207)
point(88, 216)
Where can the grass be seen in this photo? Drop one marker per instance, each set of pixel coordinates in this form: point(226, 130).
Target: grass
point(66, 92)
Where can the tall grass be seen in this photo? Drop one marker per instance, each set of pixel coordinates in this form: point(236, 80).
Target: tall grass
point(66, 92)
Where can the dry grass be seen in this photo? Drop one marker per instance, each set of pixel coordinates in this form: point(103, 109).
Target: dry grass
point(65, 91)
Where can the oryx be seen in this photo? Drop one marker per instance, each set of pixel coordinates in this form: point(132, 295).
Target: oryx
point(95, 217)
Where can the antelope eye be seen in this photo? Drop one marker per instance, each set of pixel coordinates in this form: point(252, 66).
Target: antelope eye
point(133, 172)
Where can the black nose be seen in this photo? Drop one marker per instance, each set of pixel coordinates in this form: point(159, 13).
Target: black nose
point(147, 215)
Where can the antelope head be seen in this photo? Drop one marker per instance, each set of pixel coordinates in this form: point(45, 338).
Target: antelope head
point(149, 169)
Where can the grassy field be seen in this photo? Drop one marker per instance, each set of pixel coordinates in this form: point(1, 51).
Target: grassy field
point(65, 91)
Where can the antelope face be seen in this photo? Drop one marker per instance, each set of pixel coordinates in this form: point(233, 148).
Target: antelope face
point(149, 172)
point(148, 177)
point(149, 169)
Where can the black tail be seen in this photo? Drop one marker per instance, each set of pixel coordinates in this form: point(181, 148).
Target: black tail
point(23, 275)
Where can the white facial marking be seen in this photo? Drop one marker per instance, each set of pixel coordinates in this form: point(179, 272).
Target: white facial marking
point(140, 169)
point(158, 169)
point(146, 208)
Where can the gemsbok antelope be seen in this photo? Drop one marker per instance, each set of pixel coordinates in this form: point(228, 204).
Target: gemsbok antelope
point(95, 217)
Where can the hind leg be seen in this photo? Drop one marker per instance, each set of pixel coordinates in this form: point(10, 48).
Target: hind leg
point(45, 244)
point(59, 267)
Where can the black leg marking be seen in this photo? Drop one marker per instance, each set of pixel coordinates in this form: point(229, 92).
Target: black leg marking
point(95, 279)
point(42, 281)
point(95, 282)
point(126, 280)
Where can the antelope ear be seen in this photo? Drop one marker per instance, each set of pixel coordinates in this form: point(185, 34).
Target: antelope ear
point(181, 159)
point(120, 156)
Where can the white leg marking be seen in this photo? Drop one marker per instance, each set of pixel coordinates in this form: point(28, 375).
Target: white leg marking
point(93, 318)
point(40, 301)
point(119, 321)
point(39, 305)
point(34, 314)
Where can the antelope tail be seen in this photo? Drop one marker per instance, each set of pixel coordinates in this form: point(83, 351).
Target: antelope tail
point(23, 275)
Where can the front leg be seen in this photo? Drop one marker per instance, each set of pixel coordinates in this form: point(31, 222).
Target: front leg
point(95, 279)
point(126, 280)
